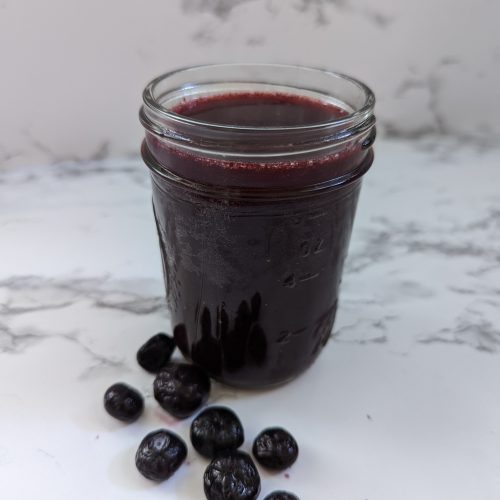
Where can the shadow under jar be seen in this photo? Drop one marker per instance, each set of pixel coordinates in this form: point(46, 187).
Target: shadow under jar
point(256, 171)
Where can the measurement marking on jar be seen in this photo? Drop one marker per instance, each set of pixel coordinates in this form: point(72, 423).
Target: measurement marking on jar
point(286, 335)
point(316, 215)
point(308, 277)
point(312, 247)
point(290, 281)
point(305, 249)
point(320, 246)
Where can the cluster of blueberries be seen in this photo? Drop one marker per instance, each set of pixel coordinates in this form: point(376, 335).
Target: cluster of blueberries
point(216, 433)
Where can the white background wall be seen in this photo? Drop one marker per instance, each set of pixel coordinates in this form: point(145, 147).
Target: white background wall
point(72, 71)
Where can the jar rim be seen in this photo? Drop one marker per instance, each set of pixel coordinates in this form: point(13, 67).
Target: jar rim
point(151, 101)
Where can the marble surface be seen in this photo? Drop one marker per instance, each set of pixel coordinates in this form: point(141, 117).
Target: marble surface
point(434, 66)
point(402, 403)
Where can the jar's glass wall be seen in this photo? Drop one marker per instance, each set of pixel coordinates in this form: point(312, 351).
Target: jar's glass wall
point(254, 221)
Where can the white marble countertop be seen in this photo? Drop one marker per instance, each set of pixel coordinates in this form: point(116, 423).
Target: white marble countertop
point(402, 404)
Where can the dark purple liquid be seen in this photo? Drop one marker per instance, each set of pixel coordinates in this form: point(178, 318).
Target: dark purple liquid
point(259, 109)
point(252, 282)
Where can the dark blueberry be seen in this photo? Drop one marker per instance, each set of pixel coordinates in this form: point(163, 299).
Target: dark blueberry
point(231, 476)
point(156, 352)
point(281, 495)
point(160, 454)
point(123, 402)
point(181, 389)
point(275, 448)
point(216, 429)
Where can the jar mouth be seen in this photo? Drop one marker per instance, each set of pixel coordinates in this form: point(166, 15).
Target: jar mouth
point(186, 80)
point(168, 93)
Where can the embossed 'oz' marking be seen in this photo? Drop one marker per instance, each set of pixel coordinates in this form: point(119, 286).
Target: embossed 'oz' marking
point(305, 249)
point(309, 247)
point(319, 246)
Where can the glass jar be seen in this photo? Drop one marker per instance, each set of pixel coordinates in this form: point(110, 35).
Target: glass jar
point(256, 171)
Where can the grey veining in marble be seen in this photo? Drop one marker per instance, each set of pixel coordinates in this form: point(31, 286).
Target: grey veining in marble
point(219, 8)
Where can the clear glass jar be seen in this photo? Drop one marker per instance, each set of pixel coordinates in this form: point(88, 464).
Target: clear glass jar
point(256, 173)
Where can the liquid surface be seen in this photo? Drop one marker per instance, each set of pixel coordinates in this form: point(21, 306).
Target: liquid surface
point(260, 110)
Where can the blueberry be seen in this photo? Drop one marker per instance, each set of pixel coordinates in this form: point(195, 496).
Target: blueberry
point(275, 448)
point(281, 495)
point(231, 476)
point(181, 389)
point(156, 352)
point(216, 429)
point(123, 402)
point(160, 454)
